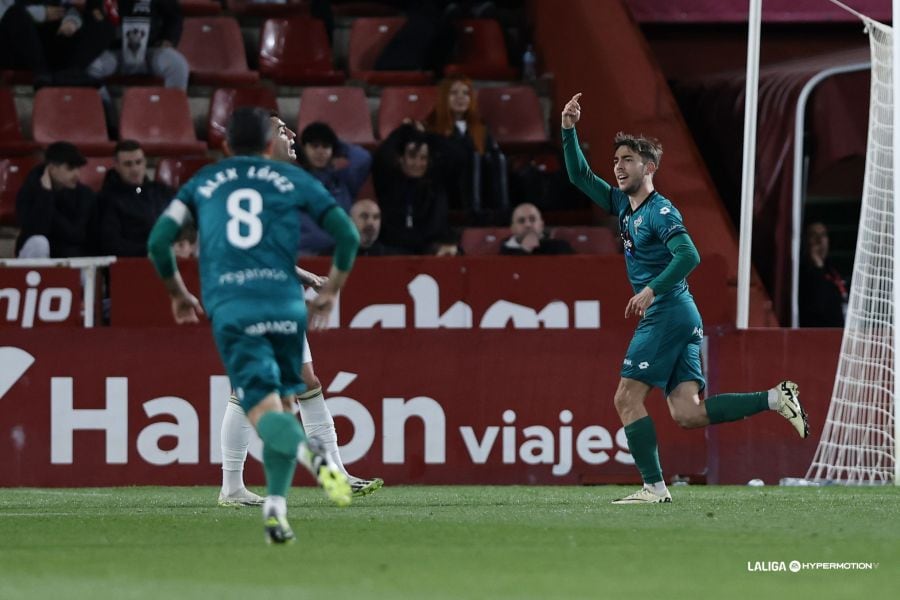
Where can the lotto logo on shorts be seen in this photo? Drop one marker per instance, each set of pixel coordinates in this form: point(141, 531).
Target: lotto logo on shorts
point(643, 365)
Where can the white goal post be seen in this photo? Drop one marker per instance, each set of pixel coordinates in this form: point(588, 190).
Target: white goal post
point(858, 444)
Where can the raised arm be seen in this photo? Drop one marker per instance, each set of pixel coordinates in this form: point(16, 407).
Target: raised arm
point(579, 172)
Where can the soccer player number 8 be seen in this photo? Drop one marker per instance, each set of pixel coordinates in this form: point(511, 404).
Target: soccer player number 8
point(244, 206)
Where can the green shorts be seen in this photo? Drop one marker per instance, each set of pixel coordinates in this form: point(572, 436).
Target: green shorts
point(262, 350)
point(665, 349)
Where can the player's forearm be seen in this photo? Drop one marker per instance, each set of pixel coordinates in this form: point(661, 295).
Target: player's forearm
point(307, 278)
point(159, 247)
point(580, 173)
point(685, 259)
point(346, 239)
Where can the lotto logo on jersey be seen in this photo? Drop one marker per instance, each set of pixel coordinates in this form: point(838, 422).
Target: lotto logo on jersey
point(643, 365)
point(665, 210)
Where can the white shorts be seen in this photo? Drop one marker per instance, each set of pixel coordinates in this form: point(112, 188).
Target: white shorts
point(307, 355)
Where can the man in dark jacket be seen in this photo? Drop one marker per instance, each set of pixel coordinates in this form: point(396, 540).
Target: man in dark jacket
point(57, 214)
point(413, 202)
point(148, 32)
point(130, 202)
point(528, 237)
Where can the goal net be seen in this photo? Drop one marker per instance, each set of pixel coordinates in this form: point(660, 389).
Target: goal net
point(858, 444)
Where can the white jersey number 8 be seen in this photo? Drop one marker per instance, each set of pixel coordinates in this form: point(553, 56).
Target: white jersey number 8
point(244, 206)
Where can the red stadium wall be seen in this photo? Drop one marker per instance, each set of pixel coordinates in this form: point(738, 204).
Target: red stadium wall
point(442, 371)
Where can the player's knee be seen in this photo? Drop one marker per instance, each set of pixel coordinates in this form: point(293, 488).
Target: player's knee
point(624, 401)
point(309, 378)
point(688, 418)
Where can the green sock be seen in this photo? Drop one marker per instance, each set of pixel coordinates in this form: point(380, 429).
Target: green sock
point(723, 408)
point(642, 444)
point(281, 434)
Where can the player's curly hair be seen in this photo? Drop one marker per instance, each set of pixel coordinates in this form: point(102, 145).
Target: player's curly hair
point(650, 149)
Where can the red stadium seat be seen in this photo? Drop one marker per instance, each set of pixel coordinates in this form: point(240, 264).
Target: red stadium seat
point(71, 114)
point(481, 51)
point(174, 172)
point(160, 119)
point(513, 116)
point(12, 142)
point(368, 37)
point(483, 241)
point(200, 8)
point(214, 49)
point(344, 108)
point(247, 8)
point(93, 173)
point(223, 103)
point(588, 240)
point(295, 51)
point(13, 172)
point(399, 103)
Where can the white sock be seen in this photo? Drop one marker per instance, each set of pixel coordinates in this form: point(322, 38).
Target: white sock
point(278, 503)
point(318, 423)
point(236, 433)
point(658, 488)
point(774, 399)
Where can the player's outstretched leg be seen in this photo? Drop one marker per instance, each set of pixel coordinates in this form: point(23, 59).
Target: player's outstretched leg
point(333, 482)
point(784, 398)
point(318, 423)
point(235, 435)
point(788, 406)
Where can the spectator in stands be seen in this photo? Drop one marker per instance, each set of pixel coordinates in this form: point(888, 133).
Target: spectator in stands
point(341, 167)
point(471, 161)
point(446, 244)
point(823, 292)
point(185, 245)
point(413, 203)
point(130, 202)
point(57, 214)
point(424, 43)
point(55, 40)
point(147, 33)
point(528, 235)
point(367, 217)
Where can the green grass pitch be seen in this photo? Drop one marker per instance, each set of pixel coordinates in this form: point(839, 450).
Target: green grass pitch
point(449, 542)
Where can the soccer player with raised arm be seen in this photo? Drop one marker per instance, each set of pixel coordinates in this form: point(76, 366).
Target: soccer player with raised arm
point(247, 212)
point(665, 349)
point(317, 420)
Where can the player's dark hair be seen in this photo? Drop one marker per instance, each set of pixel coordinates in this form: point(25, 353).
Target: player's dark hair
point(318, 133)
point(648, 148)
point(126, 146)
point(249, 130)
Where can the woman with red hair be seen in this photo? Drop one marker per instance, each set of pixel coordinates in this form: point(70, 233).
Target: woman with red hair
point(473, 165)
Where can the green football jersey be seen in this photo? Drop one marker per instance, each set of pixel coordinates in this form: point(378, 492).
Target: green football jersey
point(645, 232)
point(247, 211)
